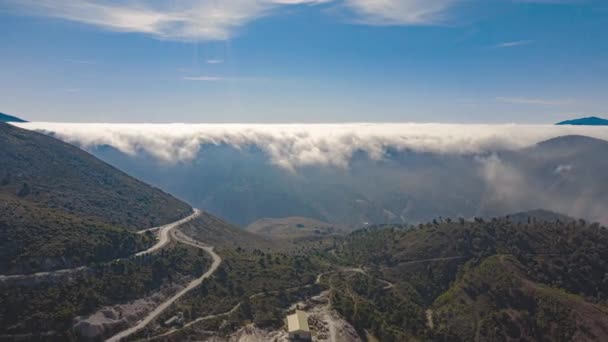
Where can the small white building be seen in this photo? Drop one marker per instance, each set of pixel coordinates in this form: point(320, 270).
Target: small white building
point(297, 326)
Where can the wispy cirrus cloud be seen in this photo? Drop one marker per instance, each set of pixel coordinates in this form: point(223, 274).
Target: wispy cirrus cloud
point(203, 20)
point(214, 61)
point(534, 101)
point(401, 12)
point(513, 43)
point(183, 20)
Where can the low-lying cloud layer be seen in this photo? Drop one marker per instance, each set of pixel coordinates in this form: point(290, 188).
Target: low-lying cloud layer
point(295, 145)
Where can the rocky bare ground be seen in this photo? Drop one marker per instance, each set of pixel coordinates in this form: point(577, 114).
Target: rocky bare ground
point(325, 323)
point(251, 333)
point(111, 319)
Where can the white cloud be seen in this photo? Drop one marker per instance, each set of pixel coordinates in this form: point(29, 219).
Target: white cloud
point(175, 20)
point(201, 20)
point(514, 43)
point(562, 169)
point(214, 61)
point(401, 12)
point(505, 184)
point(294, 145)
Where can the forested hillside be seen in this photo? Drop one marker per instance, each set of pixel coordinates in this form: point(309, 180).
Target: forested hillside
point(499, 279)
point(43, 170)
point(47, 310)
point(61, 207)
point(35, 238)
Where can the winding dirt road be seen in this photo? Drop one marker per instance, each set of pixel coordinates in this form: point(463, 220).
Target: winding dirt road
point(181, 238)
point(331, 324)
point(164, 232)
point(388, 284)
point(430, 260)
point(163, 239)
point(200, 319)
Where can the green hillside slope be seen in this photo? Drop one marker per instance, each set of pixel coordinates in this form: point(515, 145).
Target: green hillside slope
point(35, 238)
point(503, 279)
point(61, 207)
point(46, 171)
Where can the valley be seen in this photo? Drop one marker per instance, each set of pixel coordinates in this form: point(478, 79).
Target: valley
point(531, 275)
point(380, 178)
point(304, 171)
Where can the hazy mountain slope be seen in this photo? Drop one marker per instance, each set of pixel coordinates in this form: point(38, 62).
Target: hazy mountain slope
point(590, 121)
point(567, 175)
point(10, 118)
point(487, 280)
point(219, 233)
point(48, 172)
point(238, 186)
point(539, 215)
point(243, 186)
point(293, 227)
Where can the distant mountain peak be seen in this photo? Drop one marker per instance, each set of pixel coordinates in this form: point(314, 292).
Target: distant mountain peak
point(569, 140)
point(540, 214)
point(590, 121)
point(10, 118)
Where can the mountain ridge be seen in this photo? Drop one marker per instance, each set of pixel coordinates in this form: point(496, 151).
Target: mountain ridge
point(45, 170)
point(588, 121)
point(62, 207)
point(10, 118)
point(498, 278)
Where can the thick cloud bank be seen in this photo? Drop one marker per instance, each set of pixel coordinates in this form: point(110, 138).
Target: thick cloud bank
point(244, 172)
point(294, 145)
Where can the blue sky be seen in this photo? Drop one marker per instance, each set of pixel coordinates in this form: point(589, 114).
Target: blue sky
point(532, 61)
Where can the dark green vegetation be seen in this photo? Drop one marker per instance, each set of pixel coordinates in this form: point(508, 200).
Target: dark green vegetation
point(35, 238)
point(46, 171)
point(265, 283)
point(10, 118)
point(590, 121)
point(488, 280)
point(62, 207)
point(41, 307)
point(533, 276)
